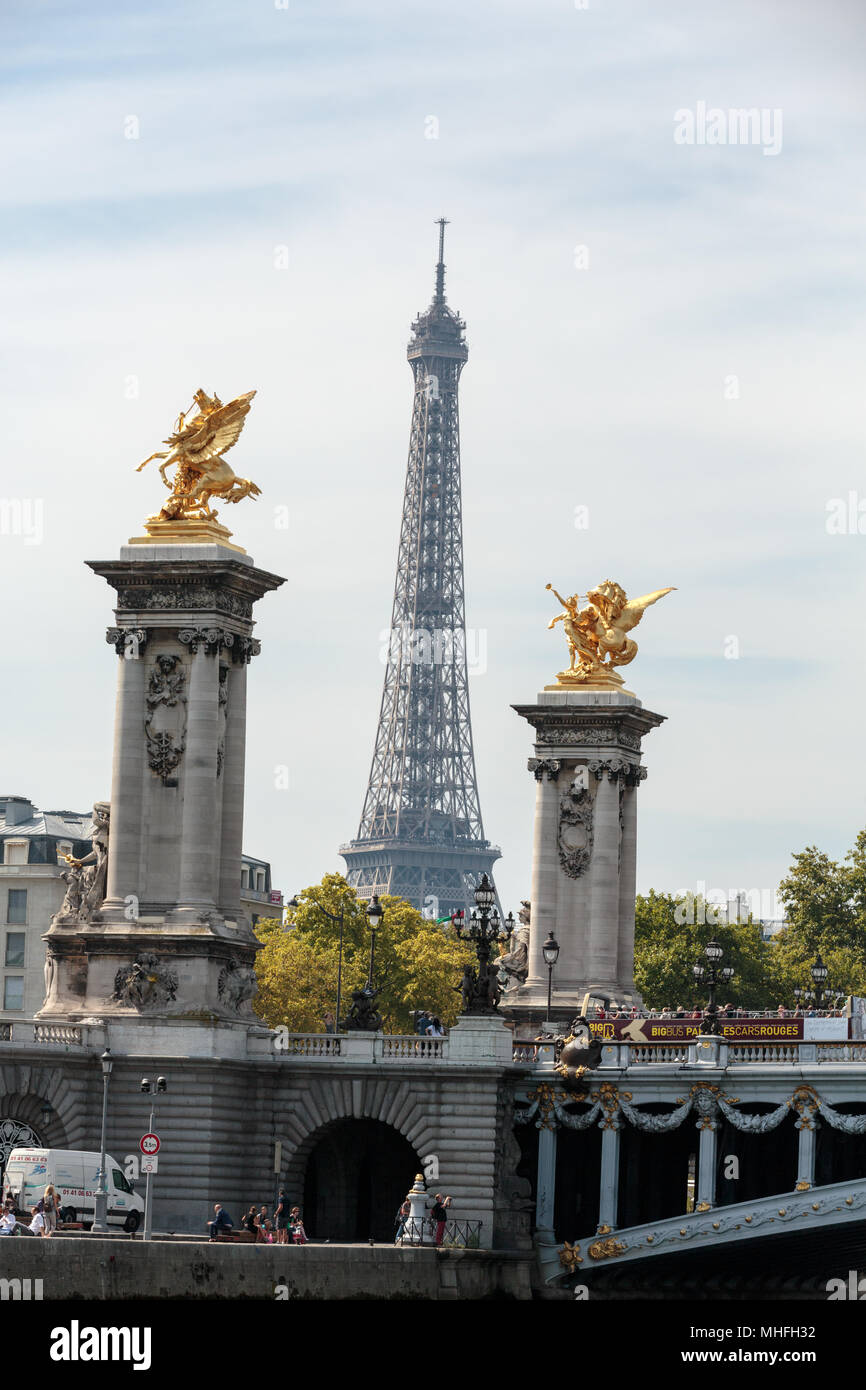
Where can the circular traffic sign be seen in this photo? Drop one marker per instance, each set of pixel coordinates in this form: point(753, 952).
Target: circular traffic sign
point(149, 1144)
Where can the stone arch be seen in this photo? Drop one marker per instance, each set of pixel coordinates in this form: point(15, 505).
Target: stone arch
point(307, 1111)
point(356, 1174)
point(24, 1090)
point(396, 1103)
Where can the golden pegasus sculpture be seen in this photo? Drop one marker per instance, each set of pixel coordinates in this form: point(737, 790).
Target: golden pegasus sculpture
point(597, 634)
point(194, 453)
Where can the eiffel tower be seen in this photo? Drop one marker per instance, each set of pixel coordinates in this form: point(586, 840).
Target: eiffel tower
point(421, 835)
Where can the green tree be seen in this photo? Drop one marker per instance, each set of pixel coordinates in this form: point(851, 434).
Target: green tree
point(670, 936)
point(826, 905)
point(418, 963)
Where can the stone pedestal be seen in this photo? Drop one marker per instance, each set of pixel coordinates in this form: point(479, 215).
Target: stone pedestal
point(587, 771)
point(480, 1038)
point(169, 939)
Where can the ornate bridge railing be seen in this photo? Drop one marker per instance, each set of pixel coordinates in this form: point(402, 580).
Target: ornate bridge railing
point(360, 1047)
point(721, 1053)
point(458, 1234)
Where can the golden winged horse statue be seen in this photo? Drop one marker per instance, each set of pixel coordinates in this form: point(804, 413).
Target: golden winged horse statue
point(194, 452)
point(597, 634)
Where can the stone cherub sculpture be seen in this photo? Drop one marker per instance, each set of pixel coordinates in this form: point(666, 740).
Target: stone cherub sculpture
point(86, 878)
point(194, 452)
point(597, 634)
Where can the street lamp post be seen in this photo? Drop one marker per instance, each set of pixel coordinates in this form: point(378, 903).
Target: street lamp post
point(712, 974)
point(99, 1225)
point(363, 1016)
point(334, 917)
point(374, 917)
point(550, 951)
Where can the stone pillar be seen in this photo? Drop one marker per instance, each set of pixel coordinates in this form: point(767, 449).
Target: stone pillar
point(584, 847)
point(127, 774)
point(705, 1194)
point(628, 788)
point(601, 959)
point(546, 1185)
point(232, 777)
point(609, 1183)
point(198, 857)
point(544, 865)
point(176, 822)
point(806, 1154)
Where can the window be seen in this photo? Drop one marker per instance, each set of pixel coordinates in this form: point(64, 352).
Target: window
point(120, 1181)
point(13, 992)
point(17, 852)
point(245, 876)
point(15, 948)
point(16, 907)
point(260, 880)
point(64, 848)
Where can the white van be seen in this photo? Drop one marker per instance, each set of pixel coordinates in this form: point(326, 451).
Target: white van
point(75, 1176)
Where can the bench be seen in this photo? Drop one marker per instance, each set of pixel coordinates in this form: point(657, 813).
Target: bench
point(236, 1237)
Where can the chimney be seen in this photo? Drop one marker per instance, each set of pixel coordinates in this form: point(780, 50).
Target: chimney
point(18, 810)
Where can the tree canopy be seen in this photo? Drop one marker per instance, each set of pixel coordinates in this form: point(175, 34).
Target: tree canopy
point(826, 906)
point(418, 963)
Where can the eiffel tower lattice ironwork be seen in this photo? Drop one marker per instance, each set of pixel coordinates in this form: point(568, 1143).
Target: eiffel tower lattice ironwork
point(421, 836)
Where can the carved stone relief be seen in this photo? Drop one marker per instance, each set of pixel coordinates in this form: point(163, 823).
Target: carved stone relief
point(146, 983)
point(165, 720)
point(576, 826)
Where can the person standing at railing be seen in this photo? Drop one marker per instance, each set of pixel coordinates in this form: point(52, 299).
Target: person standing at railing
point(439, 1214)
point(436, 1030)
point(403, 1214)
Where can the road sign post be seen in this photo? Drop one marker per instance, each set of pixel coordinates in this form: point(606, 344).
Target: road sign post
point(149, 1145)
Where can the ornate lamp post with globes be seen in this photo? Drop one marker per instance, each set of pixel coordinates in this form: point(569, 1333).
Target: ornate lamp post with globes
point(480, 988)
point(712, 974)
point(821, 995)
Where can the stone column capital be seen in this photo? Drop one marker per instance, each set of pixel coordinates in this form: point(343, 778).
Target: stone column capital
point(207, 639)
point(127, 641)
point(540, 766)
point(245, 648)
point(631, 773)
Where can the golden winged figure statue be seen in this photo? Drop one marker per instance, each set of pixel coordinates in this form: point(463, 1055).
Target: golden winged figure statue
point(597, 634)
point(194, 451)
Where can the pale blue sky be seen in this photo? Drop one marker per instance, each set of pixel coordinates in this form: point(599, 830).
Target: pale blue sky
point(153, 259)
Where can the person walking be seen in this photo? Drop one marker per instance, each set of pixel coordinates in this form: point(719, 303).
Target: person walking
point(439, 1214)
point(49, 1209)
point(282, 1217)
